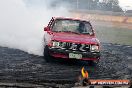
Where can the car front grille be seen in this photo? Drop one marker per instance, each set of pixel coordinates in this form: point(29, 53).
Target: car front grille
point(74, 47)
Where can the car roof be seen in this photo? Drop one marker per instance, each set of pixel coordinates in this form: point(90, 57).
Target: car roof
point(69, 18)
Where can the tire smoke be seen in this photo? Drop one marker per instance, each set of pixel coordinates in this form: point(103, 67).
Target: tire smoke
point(21, 25)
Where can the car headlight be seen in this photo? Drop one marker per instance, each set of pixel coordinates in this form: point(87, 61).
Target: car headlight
point(95, 48)
point(55, 44)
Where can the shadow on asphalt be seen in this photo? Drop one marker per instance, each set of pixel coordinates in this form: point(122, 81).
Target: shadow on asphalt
point(70, 62)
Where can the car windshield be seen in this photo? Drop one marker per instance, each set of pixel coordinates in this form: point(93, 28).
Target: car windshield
point(72, 26)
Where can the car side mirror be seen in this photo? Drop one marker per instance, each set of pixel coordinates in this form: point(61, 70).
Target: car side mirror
point(92, 33)
point(46, 29)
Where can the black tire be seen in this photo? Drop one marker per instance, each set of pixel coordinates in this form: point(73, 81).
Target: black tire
point(47, 56)
point(94, 63)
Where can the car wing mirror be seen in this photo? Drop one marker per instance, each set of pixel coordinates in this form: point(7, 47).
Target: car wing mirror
point(92, 33)
point(46, 28)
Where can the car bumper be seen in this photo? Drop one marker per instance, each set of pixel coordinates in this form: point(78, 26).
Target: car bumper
point(59, 53)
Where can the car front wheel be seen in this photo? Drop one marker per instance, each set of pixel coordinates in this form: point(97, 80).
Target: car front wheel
point(46, 54)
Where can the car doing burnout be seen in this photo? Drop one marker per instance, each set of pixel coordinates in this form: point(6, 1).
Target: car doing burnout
point(71, 39)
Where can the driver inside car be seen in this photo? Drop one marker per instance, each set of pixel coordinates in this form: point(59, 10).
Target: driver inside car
point(84, 28)
point(81, 27)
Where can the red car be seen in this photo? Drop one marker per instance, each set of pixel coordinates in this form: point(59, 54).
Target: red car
point(70, 38)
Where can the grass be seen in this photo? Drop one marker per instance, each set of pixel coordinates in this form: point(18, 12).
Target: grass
point(114, 35)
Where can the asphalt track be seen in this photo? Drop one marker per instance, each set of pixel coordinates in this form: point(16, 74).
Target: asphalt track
point(20, 67)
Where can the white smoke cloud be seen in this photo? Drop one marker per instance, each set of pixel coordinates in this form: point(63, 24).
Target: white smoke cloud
point(21, 26)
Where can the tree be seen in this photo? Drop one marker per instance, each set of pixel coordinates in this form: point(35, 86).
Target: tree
point(115, 6)
point(114, 2)
point(110, 5)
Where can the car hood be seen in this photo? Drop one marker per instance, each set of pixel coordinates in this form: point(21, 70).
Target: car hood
point(75, 38)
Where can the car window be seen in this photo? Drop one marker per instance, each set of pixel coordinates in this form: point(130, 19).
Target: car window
point(72, 26)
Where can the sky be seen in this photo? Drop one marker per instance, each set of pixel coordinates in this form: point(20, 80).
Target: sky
point(126, 4)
